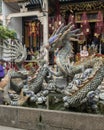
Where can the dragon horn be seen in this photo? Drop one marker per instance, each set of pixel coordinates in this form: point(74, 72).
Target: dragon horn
point(65, 28)
point(56, 32)
point(75, 31)
point(66, 32)
point(59, 29)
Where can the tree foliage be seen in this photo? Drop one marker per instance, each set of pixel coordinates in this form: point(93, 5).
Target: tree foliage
point(5, 33)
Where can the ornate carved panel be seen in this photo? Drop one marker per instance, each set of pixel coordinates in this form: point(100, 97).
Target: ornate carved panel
point(91, 15)
point(82, 6)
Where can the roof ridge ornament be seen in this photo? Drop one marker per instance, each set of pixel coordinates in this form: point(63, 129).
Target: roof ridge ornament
point(23, 7)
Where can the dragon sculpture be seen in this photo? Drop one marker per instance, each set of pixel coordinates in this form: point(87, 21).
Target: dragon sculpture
point(85, 76)
point(16, 53)
point(81, 80)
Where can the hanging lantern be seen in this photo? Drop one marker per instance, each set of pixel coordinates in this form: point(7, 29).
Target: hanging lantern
point(37, 28)
point(99, 24)
point(33, 28)
point(71, 19)
point(85, 24)
point(58, 17)
point(50, 25)
point(58, 20)
point(29, 29)
point(53, 22)
point(102, 35)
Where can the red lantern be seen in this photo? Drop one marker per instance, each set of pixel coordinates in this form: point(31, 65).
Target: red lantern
point(99, 24)
point(85, 24)
point(37, 29)
point(58, 17)
point(71, 19)
point(29, 29)
point(53, 24)
point(50, 25)
point(103, 28)
point(58, 21)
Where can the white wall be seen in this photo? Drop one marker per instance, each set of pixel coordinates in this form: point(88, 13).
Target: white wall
point(15, 23)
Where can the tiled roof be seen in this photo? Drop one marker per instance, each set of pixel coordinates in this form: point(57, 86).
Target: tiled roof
point(34, 3)
point(30, 1)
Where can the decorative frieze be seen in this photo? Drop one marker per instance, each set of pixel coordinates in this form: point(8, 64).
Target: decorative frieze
point(81, 6)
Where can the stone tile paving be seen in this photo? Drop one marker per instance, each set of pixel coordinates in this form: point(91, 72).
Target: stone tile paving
point(8, 128)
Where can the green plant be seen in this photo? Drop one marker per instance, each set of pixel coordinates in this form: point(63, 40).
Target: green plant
point(5, 33)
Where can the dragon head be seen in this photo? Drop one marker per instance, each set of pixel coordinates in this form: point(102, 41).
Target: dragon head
point(63, 33)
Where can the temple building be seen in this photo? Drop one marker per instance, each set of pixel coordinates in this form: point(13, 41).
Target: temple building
point(87, 15)
point(29, 19)
point(35, 20)
point(57, 81)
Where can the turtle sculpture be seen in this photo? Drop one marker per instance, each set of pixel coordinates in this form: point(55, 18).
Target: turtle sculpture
point(80, 80)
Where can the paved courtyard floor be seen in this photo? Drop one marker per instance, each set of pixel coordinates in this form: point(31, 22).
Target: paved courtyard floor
point(8, 128)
